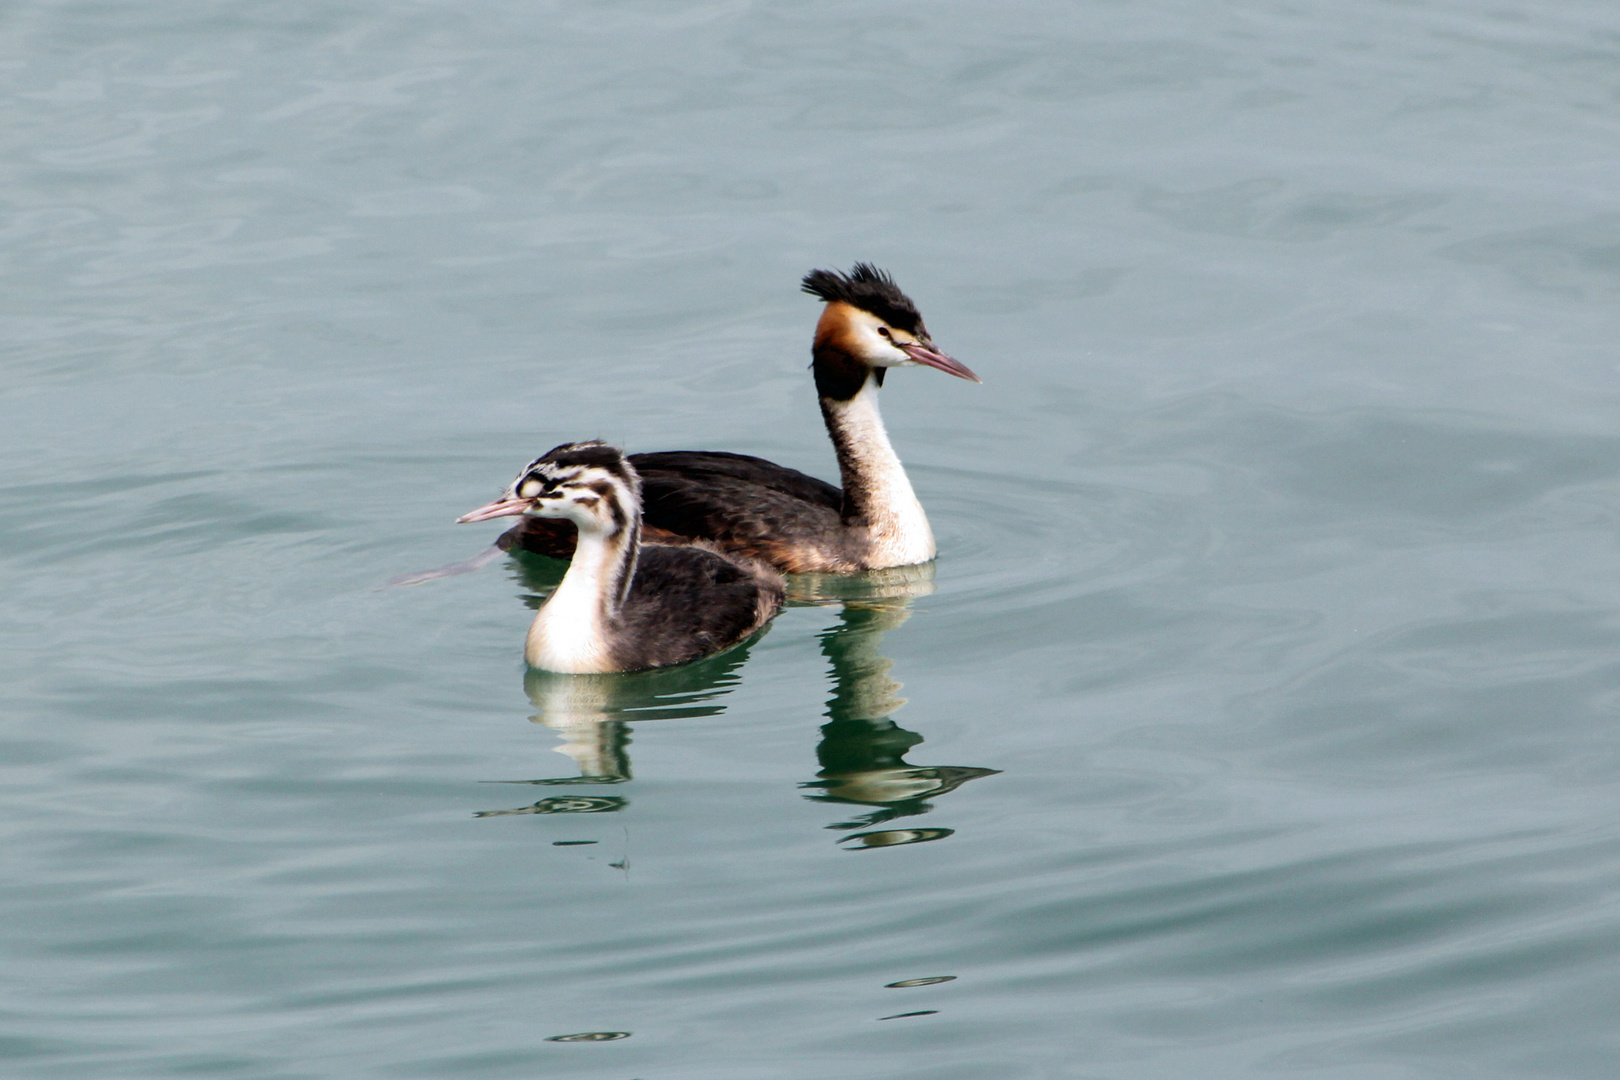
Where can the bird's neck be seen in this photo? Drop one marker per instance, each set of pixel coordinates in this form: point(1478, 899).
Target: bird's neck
point(573, 630)
point(877, 493)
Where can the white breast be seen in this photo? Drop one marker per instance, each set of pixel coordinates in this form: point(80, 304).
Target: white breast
point(559, 643)
point(570, 632)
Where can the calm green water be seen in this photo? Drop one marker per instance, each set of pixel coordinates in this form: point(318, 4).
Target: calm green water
point(1258, 720)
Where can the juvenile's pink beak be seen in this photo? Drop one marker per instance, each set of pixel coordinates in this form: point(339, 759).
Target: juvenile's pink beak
point(934, 359)
point(502, 507)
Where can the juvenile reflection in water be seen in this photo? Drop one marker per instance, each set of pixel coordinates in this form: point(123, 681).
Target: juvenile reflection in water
point(862, 751)
point(591, 712)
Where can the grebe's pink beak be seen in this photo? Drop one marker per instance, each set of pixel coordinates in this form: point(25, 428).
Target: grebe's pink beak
point(935, 359)
point(502, 507)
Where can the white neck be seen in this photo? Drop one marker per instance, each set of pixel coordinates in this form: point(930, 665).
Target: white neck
point(877, 493)
point(570, 633)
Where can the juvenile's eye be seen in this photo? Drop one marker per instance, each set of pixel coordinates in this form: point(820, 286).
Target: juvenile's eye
point(884, 330)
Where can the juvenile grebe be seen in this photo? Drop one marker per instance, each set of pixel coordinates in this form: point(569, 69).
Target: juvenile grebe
point(623, 606)
point(753, 507)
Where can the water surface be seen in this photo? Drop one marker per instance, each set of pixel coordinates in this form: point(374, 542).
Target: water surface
point(1258, 718)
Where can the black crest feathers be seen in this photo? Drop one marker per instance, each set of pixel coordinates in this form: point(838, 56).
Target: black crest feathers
point(594, 453)
point(869, 289)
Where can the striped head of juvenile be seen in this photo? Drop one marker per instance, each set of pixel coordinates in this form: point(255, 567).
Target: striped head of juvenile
point(589, 483)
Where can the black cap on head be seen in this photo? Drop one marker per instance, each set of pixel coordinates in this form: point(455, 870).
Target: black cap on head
point(869, 289)
point(595, 453)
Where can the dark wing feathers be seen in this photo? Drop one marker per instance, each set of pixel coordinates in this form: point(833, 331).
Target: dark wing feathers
point(702, 464)
point(556, 537)
point(543, 536)
point(745, 505)
point(688, 602)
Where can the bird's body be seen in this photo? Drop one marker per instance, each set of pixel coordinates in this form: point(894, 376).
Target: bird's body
point(624, 605)
point(684, 603)
point(798, 524)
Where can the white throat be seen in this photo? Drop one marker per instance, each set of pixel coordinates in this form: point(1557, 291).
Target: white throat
point(876, 482)
point(570, 633)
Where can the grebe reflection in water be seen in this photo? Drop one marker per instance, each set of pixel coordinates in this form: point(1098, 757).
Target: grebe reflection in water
point(862, 750)
point(591, 714)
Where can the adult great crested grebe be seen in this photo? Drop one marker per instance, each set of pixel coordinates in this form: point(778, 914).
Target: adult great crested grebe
point(623, 606)
point(753, 507)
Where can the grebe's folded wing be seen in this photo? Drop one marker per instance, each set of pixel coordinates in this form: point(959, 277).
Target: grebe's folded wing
point(668, 468)
point(688, 602)
point(742, 518)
